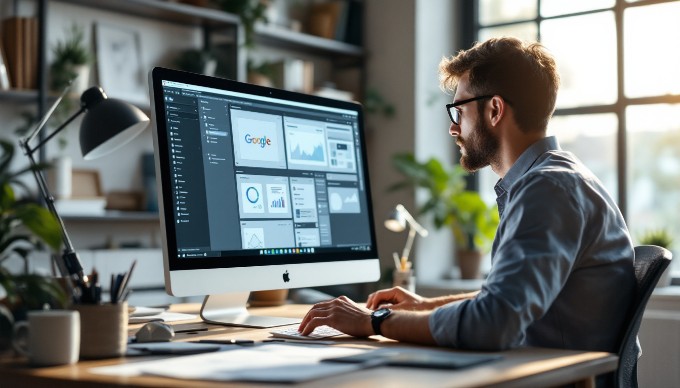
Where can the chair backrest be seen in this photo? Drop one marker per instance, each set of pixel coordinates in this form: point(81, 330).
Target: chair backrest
point(650, 262)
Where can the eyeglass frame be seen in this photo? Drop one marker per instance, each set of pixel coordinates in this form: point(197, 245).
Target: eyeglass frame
point(455, 105)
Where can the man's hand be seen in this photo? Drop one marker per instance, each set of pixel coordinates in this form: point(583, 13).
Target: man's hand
point(340, 313)
point(396, 298)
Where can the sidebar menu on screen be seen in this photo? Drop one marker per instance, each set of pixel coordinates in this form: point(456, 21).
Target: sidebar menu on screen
point(186, 172)
point(218, 157)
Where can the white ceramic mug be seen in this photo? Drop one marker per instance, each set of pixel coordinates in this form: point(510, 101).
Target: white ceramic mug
point(49, 337)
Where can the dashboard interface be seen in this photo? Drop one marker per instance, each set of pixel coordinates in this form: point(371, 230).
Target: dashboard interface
point(258, 176)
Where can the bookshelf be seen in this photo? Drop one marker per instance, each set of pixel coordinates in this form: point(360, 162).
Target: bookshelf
point(218, 30)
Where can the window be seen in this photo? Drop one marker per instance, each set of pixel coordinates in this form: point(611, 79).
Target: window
point(618, 108)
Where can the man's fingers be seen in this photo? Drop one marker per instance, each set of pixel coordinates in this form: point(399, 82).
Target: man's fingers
point(380, 297)
point(319, 308)
point(313, 324)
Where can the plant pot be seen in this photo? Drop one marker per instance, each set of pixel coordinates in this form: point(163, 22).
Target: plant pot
point(259, 79)
point(469, 263)
point(268, 298)
point(59, 177)
point(82, 80)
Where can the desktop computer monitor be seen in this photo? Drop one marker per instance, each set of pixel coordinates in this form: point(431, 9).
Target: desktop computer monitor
point(259, 189)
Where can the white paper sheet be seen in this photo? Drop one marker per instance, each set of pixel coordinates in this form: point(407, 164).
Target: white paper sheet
point(281, 363)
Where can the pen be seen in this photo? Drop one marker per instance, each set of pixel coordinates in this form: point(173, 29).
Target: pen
point(115, 290)
point(124, 282)
point(397, 264)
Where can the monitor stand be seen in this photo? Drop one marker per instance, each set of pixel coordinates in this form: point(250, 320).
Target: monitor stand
point(230, 310)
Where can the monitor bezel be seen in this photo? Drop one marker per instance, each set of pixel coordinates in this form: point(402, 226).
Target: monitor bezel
point(172, 260)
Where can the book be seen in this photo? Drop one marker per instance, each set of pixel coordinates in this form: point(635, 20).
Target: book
point(30, 26)
point(4, 75)
point(12, 35)
point(81, 206)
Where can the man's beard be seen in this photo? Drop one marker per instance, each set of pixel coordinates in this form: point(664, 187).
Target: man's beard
point(481, 148)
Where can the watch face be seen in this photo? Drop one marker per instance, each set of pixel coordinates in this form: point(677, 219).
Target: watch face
point(381, 313)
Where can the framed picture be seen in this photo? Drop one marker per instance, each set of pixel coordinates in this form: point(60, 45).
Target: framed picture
point(86, 184)
point(119, 64)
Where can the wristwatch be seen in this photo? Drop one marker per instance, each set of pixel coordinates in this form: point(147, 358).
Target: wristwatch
point(377, 317)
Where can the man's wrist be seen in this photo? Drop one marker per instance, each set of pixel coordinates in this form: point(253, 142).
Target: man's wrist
point(377, 318)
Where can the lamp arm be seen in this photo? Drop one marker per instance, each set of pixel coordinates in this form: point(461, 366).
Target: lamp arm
point(409, 243)
point(412, 221)
point(71, 263)
point(30, 150)
point(70, 266)
point(47, 116)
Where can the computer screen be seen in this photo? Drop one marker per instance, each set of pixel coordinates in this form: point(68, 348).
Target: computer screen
point(260, 189)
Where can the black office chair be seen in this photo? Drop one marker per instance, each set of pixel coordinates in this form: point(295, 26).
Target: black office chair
point(650, 262)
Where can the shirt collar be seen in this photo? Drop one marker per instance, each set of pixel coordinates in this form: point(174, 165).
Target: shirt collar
point(526, 160)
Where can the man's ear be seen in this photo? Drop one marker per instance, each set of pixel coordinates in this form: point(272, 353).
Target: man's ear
point(497, 111)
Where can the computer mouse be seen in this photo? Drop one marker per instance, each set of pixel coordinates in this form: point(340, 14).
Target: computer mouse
point(155, 332)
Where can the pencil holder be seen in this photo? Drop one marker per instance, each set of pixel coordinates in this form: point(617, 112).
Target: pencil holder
point(103, 329)
point(404, 279)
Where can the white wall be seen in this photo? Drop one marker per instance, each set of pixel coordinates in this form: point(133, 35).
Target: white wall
point(435, 39)
point(390, 43)
point(406, 39)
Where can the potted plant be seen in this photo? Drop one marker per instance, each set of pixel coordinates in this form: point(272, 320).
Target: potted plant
point(25, 226)
point(661, 238)
point(249, 11)
point(196, 61)
point(471, 221)
point(71, 62)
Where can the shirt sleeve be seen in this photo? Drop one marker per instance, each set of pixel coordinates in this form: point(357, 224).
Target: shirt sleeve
point(540, 236)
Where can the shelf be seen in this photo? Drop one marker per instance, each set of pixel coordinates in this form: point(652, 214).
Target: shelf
point(113, 216)
point(163, 10)
point(268, 34)
point(200, 16)
point(19, 95)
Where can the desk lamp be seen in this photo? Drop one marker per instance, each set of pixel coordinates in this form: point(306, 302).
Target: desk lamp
point(397, 223)
point(107, 125)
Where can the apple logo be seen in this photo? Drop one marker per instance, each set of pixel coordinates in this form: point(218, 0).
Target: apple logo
point(286, 278)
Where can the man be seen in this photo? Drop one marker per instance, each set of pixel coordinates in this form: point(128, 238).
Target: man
point(562, 261)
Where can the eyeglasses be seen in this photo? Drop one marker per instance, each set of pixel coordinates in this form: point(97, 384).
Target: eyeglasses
point(454, 113)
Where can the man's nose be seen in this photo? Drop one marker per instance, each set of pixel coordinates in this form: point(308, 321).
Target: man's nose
point(454, 130)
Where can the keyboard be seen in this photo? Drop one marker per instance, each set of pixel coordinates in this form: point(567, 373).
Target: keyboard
point(318, 333)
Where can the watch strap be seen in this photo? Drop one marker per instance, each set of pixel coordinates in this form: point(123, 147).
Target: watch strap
point(377, 319)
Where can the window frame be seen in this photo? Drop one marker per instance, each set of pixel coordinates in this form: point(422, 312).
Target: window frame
point(470, 33)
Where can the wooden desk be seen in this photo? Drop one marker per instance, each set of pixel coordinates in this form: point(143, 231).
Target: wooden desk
point(530, 367)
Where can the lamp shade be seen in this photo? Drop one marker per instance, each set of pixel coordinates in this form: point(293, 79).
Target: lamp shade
point(396, 221)
point(400, 217)
point(108, 123)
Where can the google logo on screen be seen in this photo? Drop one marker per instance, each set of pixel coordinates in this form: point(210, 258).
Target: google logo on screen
point(261, 141)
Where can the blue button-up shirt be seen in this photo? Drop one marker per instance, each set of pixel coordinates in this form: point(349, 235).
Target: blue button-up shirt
point(562, 263)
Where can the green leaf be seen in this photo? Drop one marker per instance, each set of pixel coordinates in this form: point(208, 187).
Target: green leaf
point(6, 156)
point(472, 222)
point(6, 197)
point(42, 223)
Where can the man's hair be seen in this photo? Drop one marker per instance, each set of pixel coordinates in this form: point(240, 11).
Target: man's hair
point(524, 74)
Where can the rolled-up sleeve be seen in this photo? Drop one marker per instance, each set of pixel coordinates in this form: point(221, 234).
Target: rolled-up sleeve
point(539, 238)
